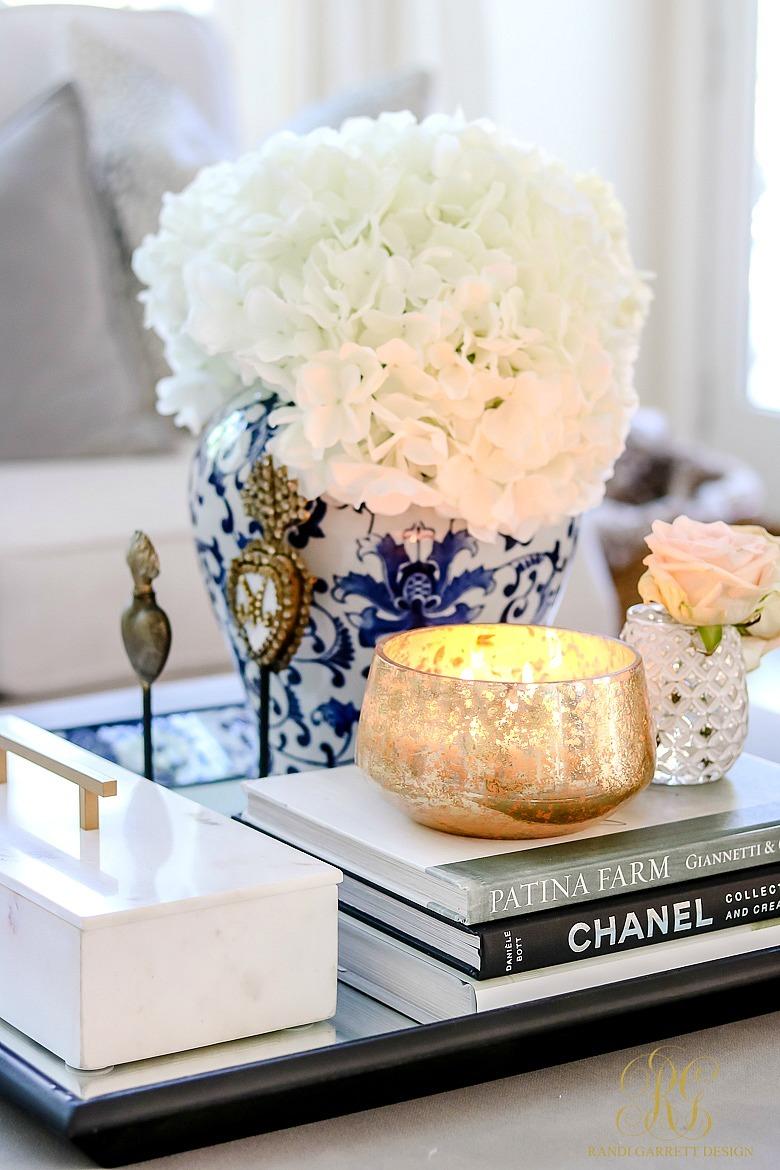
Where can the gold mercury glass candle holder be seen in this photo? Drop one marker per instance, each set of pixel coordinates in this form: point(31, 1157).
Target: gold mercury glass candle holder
point(506, 731)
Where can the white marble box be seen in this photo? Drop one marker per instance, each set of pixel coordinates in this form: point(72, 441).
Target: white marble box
point(167, 928)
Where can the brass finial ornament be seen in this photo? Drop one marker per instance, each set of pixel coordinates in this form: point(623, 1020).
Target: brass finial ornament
point(269, 589)
point(146, 631)
point(143, 561)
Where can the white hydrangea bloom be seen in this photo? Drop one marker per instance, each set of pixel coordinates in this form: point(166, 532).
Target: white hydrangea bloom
point(446, 317)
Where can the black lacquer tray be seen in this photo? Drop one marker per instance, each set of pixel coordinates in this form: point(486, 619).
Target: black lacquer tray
point(368, 1055)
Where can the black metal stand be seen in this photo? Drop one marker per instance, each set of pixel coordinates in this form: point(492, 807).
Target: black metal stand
point(146, 692)
point(264, 720)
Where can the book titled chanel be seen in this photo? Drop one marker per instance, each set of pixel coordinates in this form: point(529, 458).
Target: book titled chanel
point(569, 933)
point(665, 836)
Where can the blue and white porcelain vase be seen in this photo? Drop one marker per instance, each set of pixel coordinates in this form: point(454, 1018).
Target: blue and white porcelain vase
point(375, 575)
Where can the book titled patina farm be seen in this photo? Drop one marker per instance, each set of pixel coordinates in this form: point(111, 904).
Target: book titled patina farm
point(664, 836)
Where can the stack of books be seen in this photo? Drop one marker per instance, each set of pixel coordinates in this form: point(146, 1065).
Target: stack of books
point(436, 925)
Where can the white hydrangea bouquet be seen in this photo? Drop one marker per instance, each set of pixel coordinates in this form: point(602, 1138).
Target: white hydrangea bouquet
point(442, 317)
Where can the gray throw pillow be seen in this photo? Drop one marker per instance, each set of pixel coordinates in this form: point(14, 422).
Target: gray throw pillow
point(146, 137)
point(70, 374)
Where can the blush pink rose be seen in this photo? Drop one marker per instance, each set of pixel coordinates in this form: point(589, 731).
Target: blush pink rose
point(763, 635)
point(710, 574)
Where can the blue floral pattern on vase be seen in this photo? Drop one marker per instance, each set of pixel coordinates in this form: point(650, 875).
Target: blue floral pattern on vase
point(413, 584)
point(375, 576)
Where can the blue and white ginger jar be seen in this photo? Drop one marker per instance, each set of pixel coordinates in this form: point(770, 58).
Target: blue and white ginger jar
point(375, 576)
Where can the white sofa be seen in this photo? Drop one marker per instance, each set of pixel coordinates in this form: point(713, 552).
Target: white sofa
point(65, 524)
point(64, 529)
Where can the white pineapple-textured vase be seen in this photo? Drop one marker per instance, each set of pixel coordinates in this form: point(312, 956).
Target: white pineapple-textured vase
point(699, 701)
point(374, 576)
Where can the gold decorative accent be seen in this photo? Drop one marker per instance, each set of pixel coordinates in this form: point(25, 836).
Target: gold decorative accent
point(143, 561)
point(504, 730)
point(146, 631)
point(23, 739)
point(269, 589)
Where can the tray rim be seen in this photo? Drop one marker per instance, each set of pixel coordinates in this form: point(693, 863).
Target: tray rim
point(153, 1120)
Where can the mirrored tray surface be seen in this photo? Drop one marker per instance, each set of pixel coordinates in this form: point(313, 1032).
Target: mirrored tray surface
point(367, 1055)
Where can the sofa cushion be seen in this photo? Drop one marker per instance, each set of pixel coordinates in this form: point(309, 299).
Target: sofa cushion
point(185, 49)
point(69, 379)
point(408, 89)
point(146, 137)
point(64, 580)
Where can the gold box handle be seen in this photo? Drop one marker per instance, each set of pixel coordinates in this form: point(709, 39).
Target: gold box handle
point(23, 739)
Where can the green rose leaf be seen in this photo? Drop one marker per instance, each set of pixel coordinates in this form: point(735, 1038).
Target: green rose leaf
point(710, 636)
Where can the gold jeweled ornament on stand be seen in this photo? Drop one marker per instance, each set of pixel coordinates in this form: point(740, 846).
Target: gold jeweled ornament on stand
point(146, 631)
point(269, 589)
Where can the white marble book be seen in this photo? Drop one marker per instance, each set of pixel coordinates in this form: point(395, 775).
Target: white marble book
point(167, 928)
point(663, 836)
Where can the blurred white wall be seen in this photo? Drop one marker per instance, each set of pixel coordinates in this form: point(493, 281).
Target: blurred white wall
point(296, 52)
point(584, 82)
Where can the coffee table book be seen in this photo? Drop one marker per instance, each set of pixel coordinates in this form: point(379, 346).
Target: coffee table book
point(571, 933)
point(166, 928)
point(418, 985)
point(664, 836)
